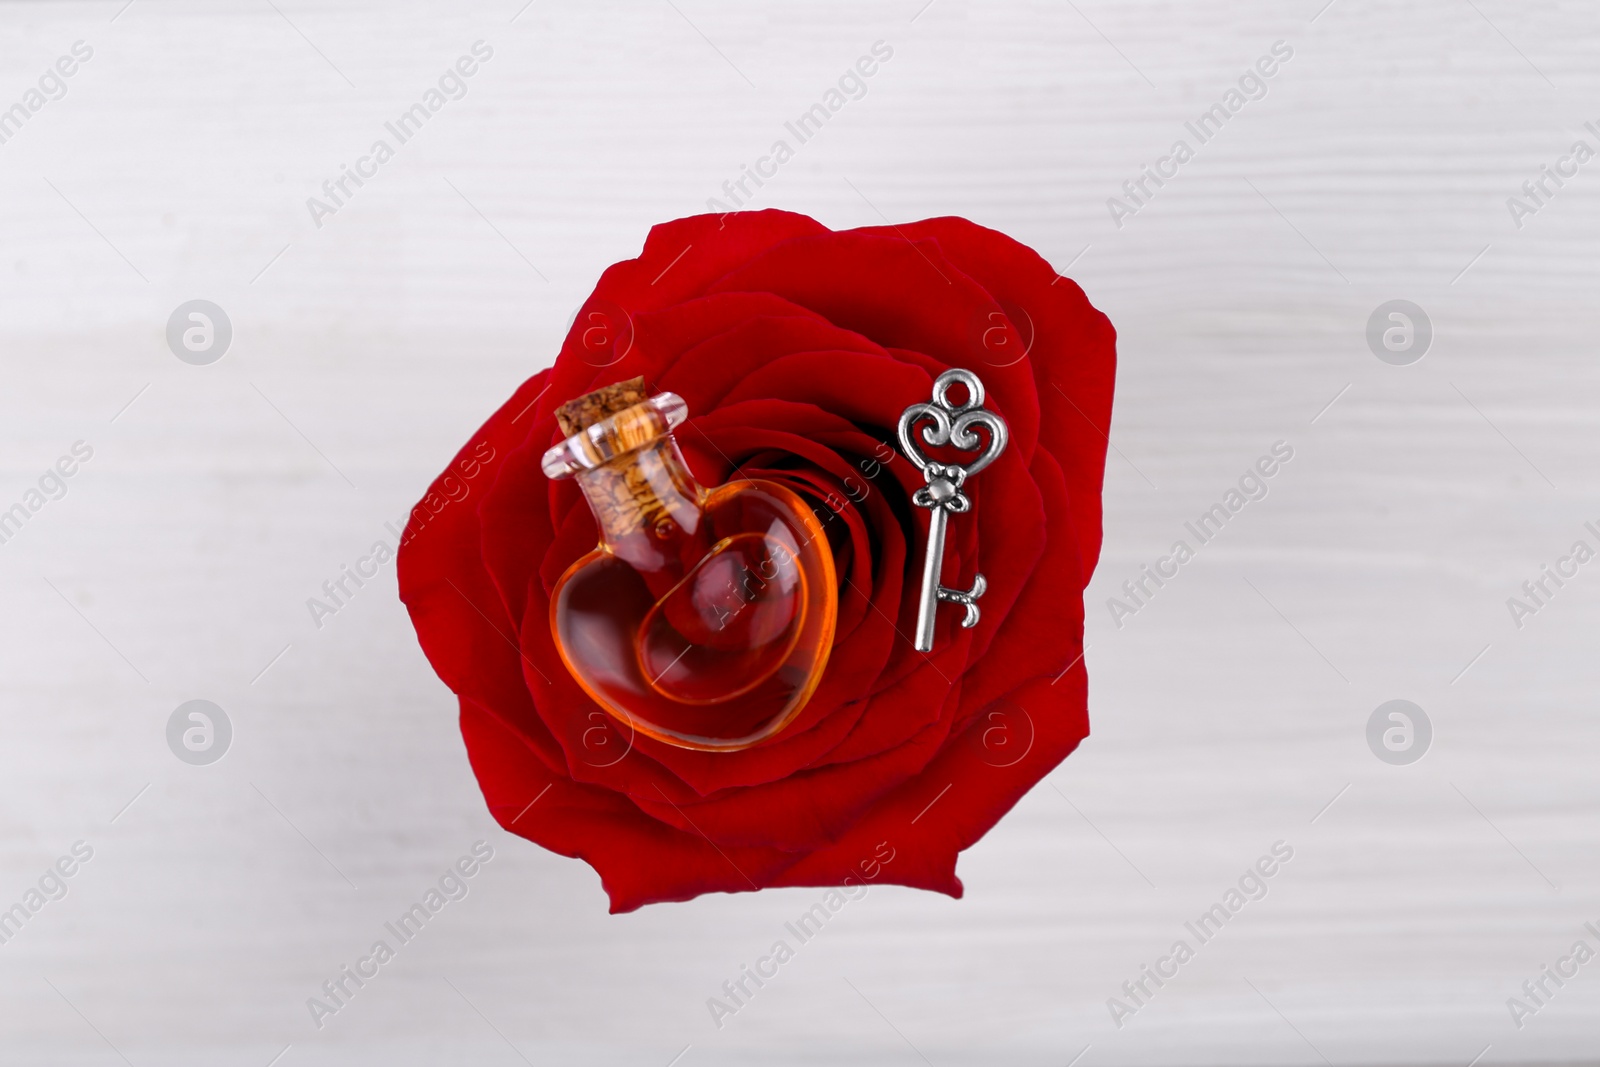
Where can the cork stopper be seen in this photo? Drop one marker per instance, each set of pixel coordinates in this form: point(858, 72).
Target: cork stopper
point(584, 411)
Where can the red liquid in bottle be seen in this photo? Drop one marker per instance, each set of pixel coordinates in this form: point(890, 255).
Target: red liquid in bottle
point(705, 617)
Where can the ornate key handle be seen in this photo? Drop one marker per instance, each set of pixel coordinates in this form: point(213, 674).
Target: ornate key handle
point(951, 424)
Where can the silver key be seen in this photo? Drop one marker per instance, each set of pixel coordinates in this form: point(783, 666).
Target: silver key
point(952, 424)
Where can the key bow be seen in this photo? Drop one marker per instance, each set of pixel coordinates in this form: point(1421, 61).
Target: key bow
point(952, 424)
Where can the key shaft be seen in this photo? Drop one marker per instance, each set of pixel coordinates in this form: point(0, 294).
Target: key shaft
point(932, 564)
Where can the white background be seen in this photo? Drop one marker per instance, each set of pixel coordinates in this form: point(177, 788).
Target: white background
point(1226, 714)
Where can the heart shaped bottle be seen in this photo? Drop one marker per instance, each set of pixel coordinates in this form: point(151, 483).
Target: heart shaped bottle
point(705, 617)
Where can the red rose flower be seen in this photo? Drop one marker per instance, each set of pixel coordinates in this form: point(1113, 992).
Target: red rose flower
point(796, 348)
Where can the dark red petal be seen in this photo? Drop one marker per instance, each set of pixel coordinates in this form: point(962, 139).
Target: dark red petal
point(460, 619)
point(639, 860)
point(928, 820)
point(1073, 359)
point(902, 294)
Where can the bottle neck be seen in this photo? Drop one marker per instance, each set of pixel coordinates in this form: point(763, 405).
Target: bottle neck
point(648, 507)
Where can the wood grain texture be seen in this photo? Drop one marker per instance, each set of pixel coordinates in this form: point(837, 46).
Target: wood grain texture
point(1228, 713)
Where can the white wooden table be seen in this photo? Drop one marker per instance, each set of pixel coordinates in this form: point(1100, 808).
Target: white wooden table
point(1228, 714)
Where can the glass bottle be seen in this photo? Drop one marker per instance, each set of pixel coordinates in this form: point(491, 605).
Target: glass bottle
point(704, 618)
